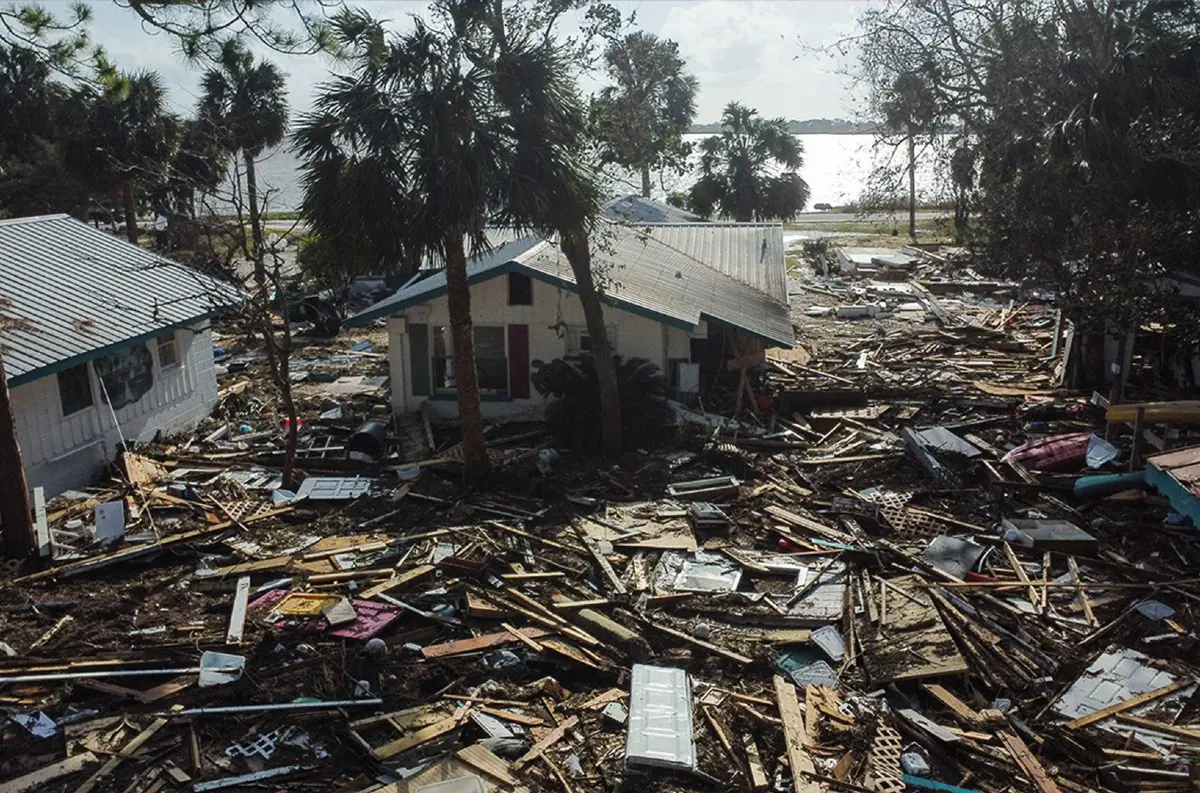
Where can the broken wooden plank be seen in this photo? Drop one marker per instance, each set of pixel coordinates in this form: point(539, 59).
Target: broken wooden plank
point(407, 577)
point(960, 708)
point(1158, 726)
point(712, 648)
point(602, 562)
point(758, 776)
point(488, 640)
point(519, 718)
point(1015, 564)
point(126, 751)
point(1132, 702)
point(522, 638)
point(1024, 758)
point(1084, 602)
point(237, 617)
point(799, 759)
point(478, 757)
point(421, 736)
point(37, 780)
point(548, 740)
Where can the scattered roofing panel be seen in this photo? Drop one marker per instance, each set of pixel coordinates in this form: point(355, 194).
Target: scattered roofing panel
point(635, 209)
point(69, 291)
point(752, 253)
point(643, 275)
point(660, 719)
point(1176, 475)
point(647, 276)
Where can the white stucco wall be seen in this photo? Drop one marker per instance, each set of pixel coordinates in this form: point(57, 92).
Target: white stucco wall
point(636, 337)
point(64, 452)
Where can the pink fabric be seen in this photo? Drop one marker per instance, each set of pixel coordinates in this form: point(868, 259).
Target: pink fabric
point(1058, 451)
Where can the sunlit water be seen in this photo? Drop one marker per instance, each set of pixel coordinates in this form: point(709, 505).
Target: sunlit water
point(836, 167)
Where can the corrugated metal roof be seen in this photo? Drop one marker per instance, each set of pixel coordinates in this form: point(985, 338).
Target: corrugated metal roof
point(640, 272)
point(69, 291)
point(752, 253)
point(635, 209)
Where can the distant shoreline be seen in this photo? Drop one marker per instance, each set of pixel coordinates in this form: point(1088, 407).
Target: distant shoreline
point(815, 126)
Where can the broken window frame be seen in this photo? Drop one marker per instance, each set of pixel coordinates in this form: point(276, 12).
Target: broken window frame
point(75, 392)
point(491, 370)
point(167, 348)
point(579, 343)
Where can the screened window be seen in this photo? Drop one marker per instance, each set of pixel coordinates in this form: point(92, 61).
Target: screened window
point(491, 360)
point(520, 290)
point(579, 342)
point(168, 351)
point(75, 389)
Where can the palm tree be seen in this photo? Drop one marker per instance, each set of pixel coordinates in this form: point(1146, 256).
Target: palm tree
point(244, 104)
point(749, 170)
point(127, 137)
point(434, 137)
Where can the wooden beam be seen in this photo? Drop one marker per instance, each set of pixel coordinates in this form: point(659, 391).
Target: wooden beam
point(1015, 564)
point(37, 780)
point(1132, 702)
point(1158, 726)
point(421, 736)
point(548, 740)
point(460, 646)
point(758, 777)
point(605, 566)
point(799, 759)
point(712, 648)
point(126, 751)
point(1024, 758)
point(960, 708)
point(401, 579)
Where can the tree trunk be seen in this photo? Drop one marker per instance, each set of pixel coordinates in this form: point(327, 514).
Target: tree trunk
point(278, 357)
point(131, 228)
point(645, 181)
point(466, 380)
point(575, 247)
point(16, 523)
point(912, 186)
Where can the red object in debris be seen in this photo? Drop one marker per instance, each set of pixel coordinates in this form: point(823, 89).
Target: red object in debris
point(785, 545)
point(979, 578)
point(286, 422)
point(1047, 454)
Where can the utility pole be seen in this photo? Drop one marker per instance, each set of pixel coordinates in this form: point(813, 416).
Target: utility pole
point(16, 521)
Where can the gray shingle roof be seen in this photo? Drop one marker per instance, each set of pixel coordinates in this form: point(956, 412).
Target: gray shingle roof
point(70, 292)
point(645, 276)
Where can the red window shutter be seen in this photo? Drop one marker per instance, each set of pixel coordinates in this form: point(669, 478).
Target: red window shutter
point(518, 361)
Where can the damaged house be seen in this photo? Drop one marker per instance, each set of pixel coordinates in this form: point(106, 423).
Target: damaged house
point(103, 341)
point(692, 298)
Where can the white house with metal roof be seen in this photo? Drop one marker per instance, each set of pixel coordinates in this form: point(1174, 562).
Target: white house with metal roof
point(103, 341)
point(686, 296)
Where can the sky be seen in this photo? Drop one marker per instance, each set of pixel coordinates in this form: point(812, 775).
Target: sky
point(758, 52)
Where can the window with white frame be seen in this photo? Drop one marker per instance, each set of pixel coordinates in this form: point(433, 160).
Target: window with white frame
point(579, 341)
point(168, 350)
point(75, 389)
point(491, 359)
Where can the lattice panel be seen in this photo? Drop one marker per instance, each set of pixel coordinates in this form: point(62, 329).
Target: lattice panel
point(886, 775)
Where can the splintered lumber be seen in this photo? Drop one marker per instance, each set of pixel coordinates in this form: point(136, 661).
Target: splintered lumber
point(1084, 602)
point(960, 708)
point(548, 740)
point(407, 577)
point(792, 519)
point(602, 562)
point(421, 736)
point(1132, 702)
point(722, 738)
point(1029, 764)
point(799, 759)
point(1015, 564)
point(712, 648)
point(519, 718)
point(1158, 726)
point(488, 640)
point(478, 757)
point(37, 780)
point(126, 751)
point(758, 777)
